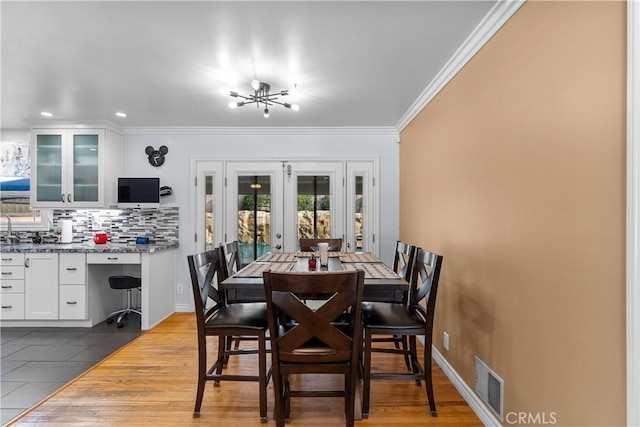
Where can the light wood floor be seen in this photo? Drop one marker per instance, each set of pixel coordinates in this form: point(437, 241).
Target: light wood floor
point(152, 381)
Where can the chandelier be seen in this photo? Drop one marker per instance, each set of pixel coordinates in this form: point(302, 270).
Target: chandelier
point(262, 97)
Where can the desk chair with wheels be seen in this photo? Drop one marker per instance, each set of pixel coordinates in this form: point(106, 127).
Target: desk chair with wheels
point(128, 283)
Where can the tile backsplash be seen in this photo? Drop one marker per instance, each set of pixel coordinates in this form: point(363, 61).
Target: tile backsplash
point(122, 225)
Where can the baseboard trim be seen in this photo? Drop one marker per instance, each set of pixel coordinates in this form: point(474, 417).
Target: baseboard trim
point(463, 388)
point(183, 308)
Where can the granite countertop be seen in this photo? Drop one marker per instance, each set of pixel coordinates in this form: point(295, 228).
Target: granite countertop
point(87, 247)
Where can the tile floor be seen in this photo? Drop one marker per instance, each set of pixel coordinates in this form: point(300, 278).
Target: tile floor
point(37, 361)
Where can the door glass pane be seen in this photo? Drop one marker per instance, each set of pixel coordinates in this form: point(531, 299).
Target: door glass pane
point(209, 205)
point(85, 168)
point(49, 168)
point(359, 217)
point(314, 206)
point(254, 216)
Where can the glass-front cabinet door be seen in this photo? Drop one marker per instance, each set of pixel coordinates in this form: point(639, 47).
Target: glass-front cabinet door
point(68, 168)
point(48, 173)
point(85, 168)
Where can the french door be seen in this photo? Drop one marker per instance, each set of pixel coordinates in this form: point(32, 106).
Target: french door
point(254, 207)
point(269, 205)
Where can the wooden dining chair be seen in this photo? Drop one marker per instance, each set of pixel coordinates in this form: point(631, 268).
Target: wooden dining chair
point(306, 245)
point(323, 339)
point(230, 264)
point(403, 260)
point(231, 258)
point(216, 318)
point(405, 319)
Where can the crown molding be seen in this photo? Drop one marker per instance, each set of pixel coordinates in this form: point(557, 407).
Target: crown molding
point(492, 22)
point(186, 130)
point(73, 124)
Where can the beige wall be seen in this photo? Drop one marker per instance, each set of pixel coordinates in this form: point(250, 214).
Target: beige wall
point(515, 172)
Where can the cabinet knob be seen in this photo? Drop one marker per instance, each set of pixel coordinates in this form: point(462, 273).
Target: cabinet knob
point(112, 258)
point(7, 273)
point(7, 306)
point(72, 302)
point(7, 259)
point(7, 286)
point(71, 269)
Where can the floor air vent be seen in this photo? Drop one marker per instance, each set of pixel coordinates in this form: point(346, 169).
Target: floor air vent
point(489, 387)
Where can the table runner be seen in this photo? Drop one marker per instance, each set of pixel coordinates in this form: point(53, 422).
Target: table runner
point(255, 269)
point(317, 254)
point(358, 257)
point(372, 270)
point(278, 257)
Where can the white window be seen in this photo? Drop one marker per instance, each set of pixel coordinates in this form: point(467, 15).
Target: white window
point(15, 173)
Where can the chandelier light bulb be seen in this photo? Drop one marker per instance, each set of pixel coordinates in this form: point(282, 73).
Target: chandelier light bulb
point(255, 84)
point(266, 113)
point(233, 104)
point(295, 107)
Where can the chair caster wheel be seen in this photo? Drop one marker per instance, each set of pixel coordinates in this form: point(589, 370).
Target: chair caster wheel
point(434, 413)
point(263, 420)
point(109, 321)
point(365, 415)
point(196, 415)
point(120, 325)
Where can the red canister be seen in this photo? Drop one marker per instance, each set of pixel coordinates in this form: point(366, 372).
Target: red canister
point(100, 238)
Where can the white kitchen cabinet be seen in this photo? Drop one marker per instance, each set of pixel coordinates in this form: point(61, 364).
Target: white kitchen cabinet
point(73, 302)
point(75, 167)
point(73, 286)
point(41, 295)
point(12, 286)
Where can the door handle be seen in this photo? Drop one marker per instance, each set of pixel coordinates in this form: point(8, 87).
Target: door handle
point(278, 247)
point(278, 236)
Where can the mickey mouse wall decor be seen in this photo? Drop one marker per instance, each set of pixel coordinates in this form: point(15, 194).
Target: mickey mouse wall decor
point(156, 157)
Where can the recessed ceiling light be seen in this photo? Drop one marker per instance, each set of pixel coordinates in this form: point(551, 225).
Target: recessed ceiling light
point(46, 114)
point(121, 114)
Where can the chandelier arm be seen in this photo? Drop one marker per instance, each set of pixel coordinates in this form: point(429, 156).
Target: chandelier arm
point(241, 96)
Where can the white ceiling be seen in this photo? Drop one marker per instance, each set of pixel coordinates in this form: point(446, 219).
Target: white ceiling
point(356, 63)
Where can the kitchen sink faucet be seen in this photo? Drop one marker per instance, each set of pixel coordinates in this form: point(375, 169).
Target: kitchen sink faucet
point(10, 237)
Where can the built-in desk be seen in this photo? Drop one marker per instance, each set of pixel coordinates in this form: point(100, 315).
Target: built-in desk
point(155, 264)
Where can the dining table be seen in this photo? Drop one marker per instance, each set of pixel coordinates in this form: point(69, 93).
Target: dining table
point(381, 283)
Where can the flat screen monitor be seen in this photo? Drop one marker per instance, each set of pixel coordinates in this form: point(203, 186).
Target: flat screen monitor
point(138, 192)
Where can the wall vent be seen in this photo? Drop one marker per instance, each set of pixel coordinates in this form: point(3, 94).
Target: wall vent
point(489, 387)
